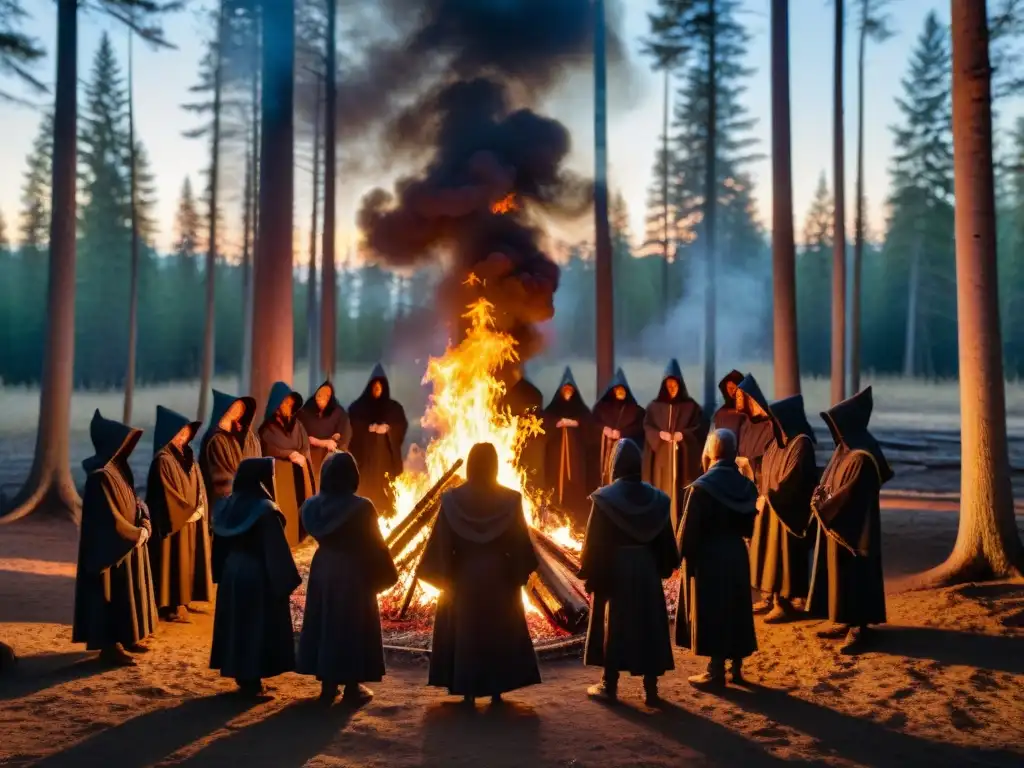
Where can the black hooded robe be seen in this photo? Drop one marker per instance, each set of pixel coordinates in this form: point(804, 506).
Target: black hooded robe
point(569, 460)
point(341, 639)
point(623, 416)
point(628, 551)
point(114, 599)
point(179, 550)
point(220, 451)
point(679, 414)
point(294, 483)
point(379, 456)
point(714, 616)
point(524, 398)
point(480, 555)
point(847, 578)
point(329, 424)
point(256, 575)
point(779, 557)
point(727, 417)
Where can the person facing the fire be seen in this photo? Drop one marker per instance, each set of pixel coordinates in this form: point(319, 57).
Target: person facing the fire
point(115, 608)
point(378, 432)
point(284, 440)
point(327, 425)
point(789, 474)
point(619, 417)
point(714, 617)
point(758, 430)
point(341, 641)
point(728, 416)
point(628, 551)
point(847, 575)
point(674, 433)
point(569, 451)
point(180, 546)
point(480, 555)
point(229, 439)
point(523, 399)
point(256, 575)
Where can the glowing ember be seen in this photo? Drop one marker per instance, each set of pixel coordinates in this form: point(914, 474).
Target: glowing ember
point(507, 204)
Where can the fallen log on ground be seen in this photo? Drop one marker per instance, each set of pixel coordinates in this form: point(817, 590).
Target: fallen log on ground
point(558, 593)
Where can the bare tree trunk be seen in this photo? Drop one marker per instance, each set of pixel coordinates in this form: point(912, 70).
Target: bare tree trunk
point(273, 353)
point(987, 543)
point(249, 270)
point(711, 217)
point(49, 484)
point(910, 338)
point(603, 269)
point(247, 243)
point(312, 311)
point(858, 225)
point(664, 197)
point(209, 337)
point(787, 360)
point(329, 274)
point(839, 237)
point(133, 301)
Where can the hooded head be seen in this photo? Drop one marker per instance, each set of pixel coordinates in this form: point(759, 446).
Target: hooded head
point(722, 479)
point(168, 425)
point(727, 387)
point(567, 386)
point(848, 422)
point(339, 475)
point(639, 509)
point(222, 403)
point(616, 387)
point(112, 441)
point(378, 387)
point(751, 400)
point(790, 419)
point(672, 382)
point(283, 404)
point(255, 479)
point(324, 400)
point(627, 461)
point(482, 466)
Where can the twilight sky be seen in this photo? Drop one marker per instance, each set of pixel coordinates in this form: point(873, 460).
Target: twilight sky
point(163, 77)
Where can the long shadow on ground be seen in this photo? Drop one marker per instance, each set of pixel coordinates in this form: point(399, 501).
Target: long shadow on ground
point(499, 735)
point(950, 646)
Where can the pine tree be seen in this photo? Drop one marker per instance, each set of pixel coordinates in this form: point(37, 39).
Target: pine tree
point(18, 51)
point(813, 278)
point(1011, 260)
point(187, 223)
point(35, 192)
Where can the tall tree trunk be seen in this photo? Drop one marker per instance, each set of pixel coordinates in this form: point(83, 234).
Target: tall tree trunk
point(665, 294)
point(787, 360)
point(209, 337)
point(910, 331)
point(273, 320)
point(711, 217)
point(858, 224)
point(329, 274)
point(133, 301)
point(249, 270)
point(987, 543)
point(839, 236)
point(248, 204)
point(49, 484)
point(312, 313)
point(603, 270)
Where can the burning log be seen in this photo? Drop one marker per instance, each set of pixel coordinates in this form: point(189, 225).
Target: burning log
point(555, 589)
point(406, 531)
point(567, 559)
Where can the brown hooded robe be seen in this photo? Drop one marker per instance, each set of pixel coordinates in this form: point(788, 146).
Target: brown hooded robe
point(331, 423)
point(279, 439)
point(221, 451)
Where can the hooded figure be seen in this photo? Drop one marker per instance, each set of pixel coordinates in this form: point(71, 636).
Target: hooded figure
point(758, 429)
point(619, 417)
point(228, 440)
point(728, 417)
point(522, 398)
point(674, 431)
point(628, 551)
point(714, 616)
point(115, 607)
point(256, 575)
point(327, 425)
point(569, 451)
point(378, 432)
point(180, 546)
point(284, 440)
point(341, 641)
point(480, 555)
point(847, 576)
point(789, 474)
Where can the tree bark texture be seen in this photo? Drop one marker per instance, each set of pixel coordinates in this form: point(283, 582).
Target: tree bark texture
point(312, 313)
point(858, 223)
point(133, 301)
point(710, 218)
point(328, 270)
point(839, 239)
point(603, 270)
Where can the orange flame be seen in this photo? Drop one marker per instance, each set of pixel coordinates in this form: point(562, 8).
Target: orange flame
point(507, 204)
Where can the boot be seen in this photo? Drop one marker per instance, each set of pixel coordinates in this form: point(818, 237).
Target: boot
point(356, 695)
point(251, 688)
point(713, 678)
point(736, 672)
point(782, 612)
point(856, 641)
point(114, 656)
point(651, 696)
point(833, 632)
point(328, 692)
point(607, 690)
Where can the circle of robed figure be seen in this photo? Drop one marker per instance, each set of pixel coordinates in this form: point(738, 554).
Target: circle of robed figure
point(569, 455)
point(179, 548)
point(327, 424)
point(115, 607)
point(757, 430)
point(341, 641)
point(228, 440)
point(619, 417)
point(628, 551)
point(480, 555)
point(255, 576)
point(379, 426)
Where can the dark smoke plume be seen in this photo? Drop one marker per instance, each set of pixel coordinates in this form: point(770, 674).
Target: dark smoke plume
point(454, 86)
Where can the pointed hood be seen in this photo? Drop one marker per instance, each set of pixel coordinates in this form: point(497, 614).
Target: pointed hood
point(618, 380)
point(337, 502)
point(638, 508)
point(252, 496)
point(377, 374)
point(168, 424)
point(673, 371)
point(848, 422)
point(575, 401)
point(222, 402)
point(791, 419)
point(733, 377)
point(278, 394)
point(727, 485)
point(332, 402)
point(481, 510)
point(111, 440)
point(752, 389)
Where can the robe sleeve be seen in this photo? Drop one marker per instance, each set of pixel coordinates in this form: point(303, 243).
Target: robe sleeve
point(278, 445)
point(282, 574)
point(108, 532)
point(381, 571)
point(652, 431)
point(179, 507)
point(845, 514)
point(593, 556)
point(219, 460)
point(398, 427)
point(435, 566)
point(521, 552)
point(790, 499)
point(688, 535)
point(666, 553)
point(251, 448)
point(343, 428)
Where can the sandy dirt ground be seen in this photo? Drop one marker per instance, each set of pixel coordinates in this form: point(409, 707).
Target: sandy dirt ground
point(943, 687)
